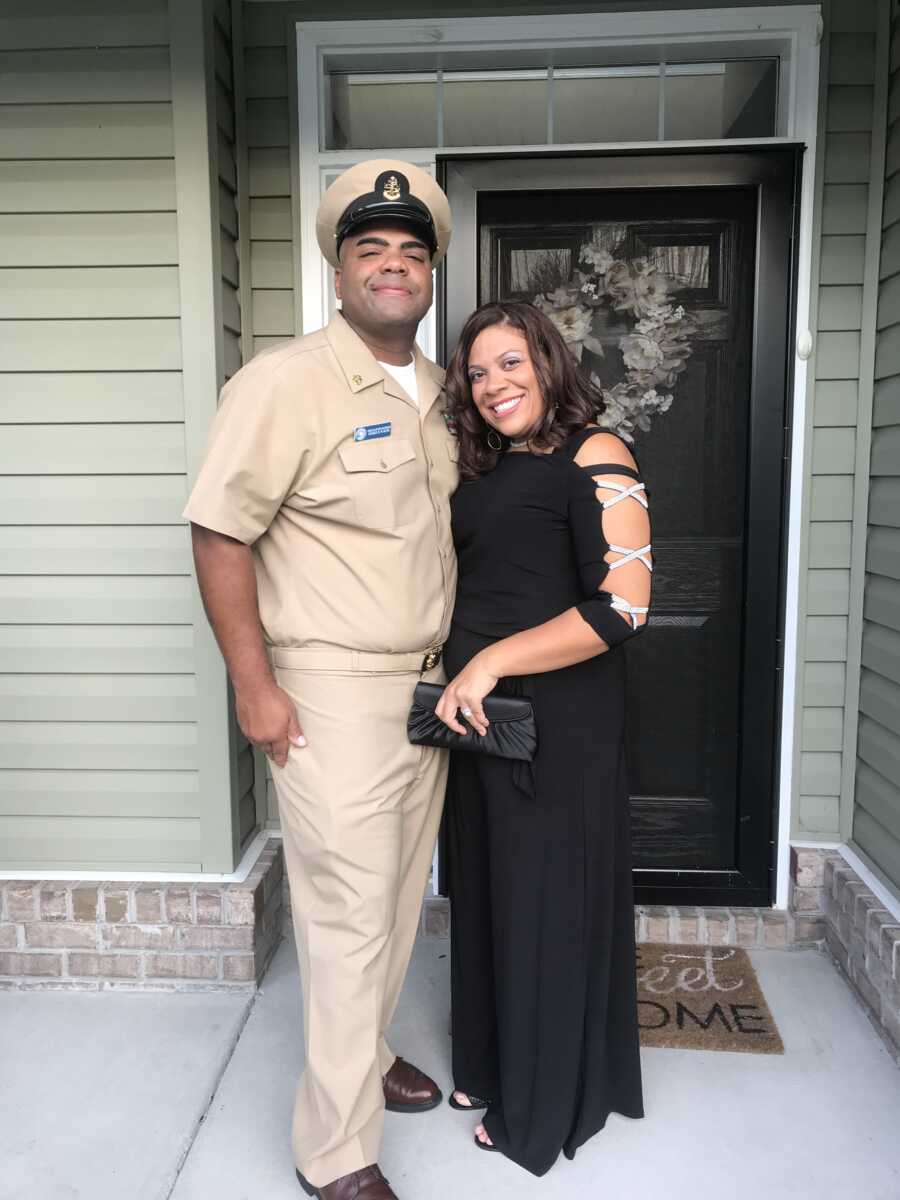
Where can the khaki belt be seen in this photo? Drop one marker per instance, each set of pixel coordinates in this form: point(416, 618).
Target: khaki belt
point(310, 658)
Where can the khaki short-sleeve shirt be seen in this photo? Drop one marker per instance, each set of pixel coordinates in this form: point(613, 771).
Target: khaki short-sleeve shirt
point(319, 460)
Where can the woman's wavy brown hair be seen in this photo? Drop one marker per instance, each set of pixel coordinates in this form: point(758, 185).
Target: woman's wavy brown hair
point(570, 399)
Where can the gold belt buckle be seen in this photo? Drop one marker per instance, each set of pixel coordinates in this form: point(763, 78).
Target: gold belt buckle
point(432, 658)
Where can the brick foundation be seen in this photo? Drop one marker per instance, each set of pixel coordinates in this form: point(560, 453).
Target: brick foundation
point(863, 938)
point(805, 900)
point(142, 936)
point(800, 926)
point(859, 933)
point(759, 928)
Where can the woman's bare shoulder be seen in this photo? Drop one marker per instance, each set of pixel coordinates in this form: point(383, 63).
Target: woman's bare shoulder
point(604, 447)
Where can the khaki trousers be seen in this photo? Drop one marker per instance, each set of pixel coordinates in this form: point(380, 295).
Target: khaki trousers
point(360, 809)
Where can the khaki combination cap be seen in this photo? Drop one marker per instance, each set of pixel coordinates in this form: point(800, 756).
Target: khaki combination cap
point(383, 189)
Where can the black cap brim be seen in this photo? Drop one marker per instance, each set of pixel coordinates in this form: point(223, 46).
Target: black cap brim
point(405, 214)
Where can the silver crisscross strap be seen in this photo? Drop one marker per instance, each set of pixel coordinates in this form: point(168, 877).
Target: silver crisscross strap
point(637, 491)
point(640, 554)
point(598, 608)
point(633, 611)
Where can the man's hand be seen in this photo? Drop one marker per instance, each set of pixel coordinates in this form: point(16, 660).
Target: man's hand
point(227, 579)
point(268, 717)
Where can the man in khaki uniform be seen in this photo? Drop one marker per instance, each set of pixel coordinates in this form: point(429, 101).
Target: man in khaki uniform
point(322, 541)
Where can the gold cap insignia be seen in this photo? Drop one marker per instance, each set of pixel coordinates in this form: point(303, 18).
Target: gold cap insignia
point(375, 189)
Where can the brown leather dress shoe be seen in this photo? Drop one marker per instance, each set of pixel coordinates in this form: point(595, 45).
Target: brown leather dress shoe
point(367, 1184)
point(409, 1090)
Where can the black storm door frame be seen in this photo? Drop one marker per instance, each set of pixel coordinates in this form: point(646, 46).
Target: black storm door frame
point(773, 173)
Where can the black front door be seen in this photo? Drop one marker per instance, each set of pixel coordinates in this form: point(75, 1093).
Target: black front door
point(677, 298)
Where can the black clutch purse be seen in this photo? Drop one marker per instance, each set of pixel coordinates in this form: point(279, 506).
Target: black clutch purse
point(512, 732)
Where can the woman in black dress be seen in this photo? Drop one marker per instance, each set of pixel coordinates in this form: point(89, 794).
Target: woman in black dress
point(553, 540)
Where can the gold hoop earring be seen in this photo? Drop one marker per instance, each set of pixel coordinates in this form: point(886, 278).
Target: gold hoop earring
point(494, 440)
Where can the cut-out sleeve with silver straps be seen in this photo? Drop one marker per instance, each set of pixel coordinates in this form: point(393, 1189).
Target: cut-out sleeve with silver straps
point(610, 525)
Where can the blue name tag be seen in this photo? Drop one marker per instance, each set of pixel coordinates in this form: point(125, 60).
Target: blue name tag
point(365, 433)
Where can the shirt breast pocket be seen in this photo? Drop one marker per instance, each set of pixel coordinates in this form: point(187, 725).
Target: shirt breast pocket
point(381, 481)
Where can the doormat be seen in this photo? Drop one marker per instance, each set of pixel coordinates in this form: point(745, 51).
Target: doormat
point(702, 998)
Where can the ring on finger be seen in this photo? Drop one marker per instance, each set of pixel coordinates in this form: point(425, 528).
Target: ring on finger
point(466, 712)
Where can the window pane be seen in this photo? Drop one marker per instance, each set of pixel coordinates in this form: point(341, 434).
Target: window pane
point(616, 108)
point(495, 112)
point(364, 113)
point(722, 100)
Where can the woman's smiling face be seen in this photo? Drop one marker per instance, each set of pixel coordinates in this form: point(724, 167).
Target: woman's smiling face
point(505, 388)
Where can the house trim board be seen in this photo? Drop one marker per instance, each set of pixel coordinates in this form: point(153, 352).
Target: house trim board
point(245, 287)
point(199, 272)
point(241, 154)
point(297, 243)
point(248, 861)
point(873, 877)
point(855, 858)
point(800, 490)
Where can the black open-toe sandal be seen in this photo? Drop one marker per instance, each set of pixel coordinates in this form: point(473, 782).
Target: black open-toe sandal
point(475, 1102)
point(482, 1145)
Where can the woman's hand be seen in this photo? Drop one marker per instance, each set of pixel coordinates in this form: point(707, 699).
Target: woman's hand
point(465, 694)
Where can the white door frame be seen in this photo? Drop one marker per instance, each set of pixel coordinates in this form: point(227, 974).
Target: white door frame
point(791, 33)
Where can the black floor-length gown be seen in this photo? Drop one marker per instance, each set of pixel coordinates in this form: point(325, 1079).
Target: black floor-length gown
point(543, 974)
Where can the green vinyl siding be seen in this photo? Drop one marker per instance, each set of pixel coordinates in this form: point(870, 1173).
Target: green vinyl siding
point(98, 708)
point(89, 843)
point(266, 77)
point(848, 76)
point(113, 755)
point(876, 815)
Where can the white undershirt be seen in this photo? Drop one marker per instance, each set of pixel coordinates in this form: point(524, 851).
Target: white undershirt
point(406, 377)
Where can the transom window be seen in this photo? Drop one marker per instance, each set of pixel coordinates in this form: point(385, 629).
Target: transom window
point(371, 105)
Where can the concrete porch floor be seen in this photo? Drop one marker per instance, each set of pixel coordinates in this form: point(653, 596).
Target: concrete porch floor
point(142, 1097)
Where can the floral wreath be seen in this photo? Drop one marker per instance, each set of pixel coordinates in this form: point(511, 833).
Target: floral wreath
point(654, 354)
